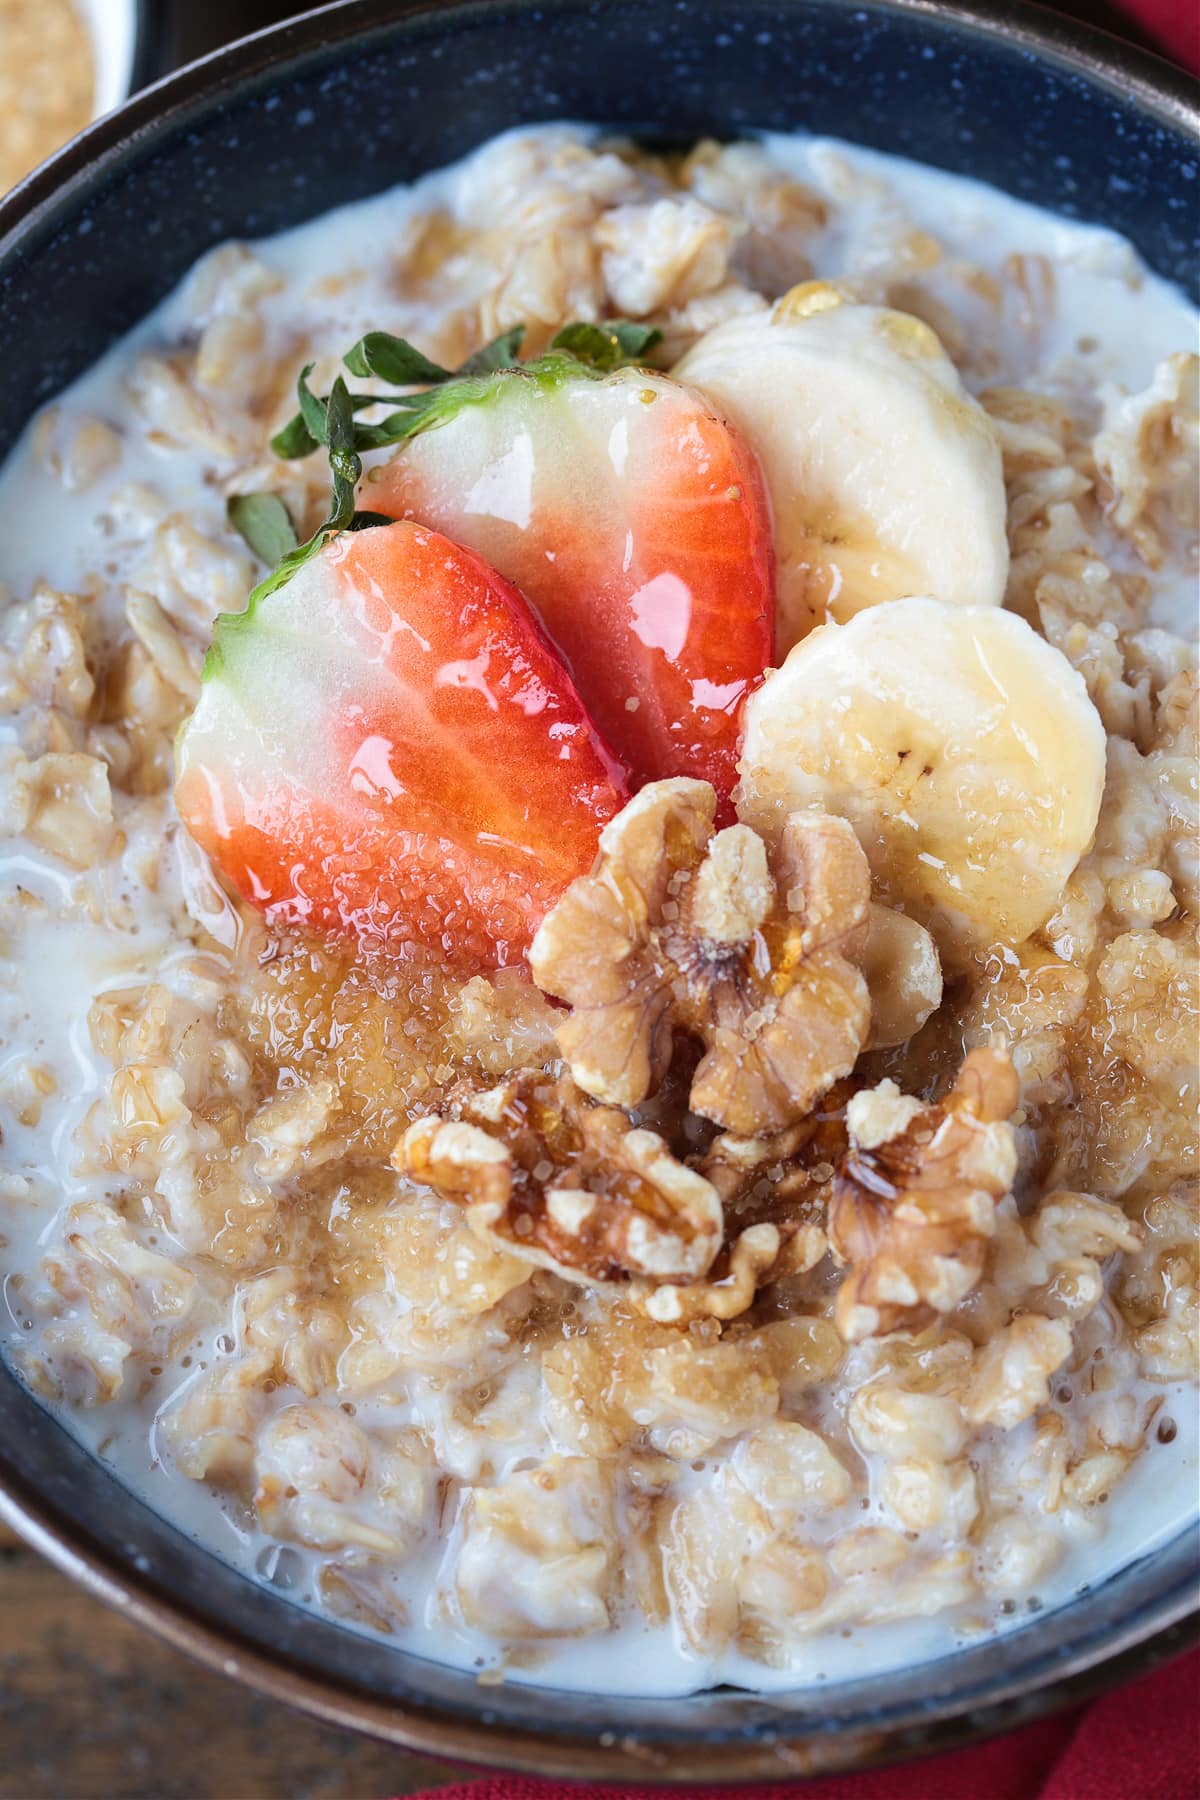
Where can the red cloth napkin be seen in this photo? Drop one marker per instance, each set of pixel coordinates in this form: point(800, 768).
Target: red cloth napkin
point(1173, 24)
point(1140, 1743)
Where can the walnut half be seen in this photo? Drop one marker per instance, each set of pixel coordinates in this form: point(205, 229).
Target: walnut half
point(914, 1197)
point(680, 931)
point(549, 1176)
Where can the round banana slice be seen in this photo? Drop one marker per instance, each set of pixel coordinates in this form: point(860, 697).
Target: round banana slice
point(884, 474)
point(961, 746)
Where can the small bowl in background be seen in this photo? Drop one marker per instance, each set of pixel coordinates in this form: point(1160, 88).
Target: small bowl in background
point(63, 65)
point(117, 29)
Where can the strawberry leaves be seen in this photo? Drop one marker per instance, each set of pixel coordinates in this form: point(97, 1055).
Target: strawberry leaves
point(265, 523)
point(395, 360)
point(616, 345)
point(504, 352)
point(580, 349)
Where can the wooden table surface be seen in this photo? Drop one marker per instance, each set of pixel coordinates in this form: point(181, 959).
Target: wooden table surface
point(92, 1708)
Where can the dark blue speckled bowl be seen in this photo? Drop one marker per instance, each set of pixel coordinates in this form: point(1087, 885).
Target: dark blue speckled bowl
point(337, 105)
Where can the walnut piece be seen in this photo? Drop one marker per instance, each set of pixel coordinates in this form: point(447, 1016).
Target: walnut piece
point(678, 931)
point(914, 1197)
point(903, 972)
point(772, 1191)
point(553, 1178)
point(780, 1177)
point(751, 1258)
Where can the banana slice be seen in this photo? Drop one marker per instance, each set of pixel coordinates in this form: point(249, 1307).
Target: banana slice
point(961, 746)
point(884, 473)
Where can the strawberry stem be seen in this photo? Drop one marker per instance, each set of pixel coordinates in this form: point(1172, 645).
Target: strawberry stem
point(337, 422)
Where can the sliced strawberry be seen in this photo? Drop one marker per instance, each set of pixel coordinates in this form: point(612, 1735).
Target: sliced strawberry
point(386, 747)
point(635, 522)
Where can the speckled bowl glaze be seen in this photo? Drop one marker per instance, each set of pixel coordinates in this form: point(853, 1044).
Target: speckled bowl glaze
point(340, 104)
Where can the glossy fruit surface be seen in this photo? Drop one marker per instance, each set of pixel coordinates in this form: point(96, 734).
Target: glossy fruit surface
point(387, 748)
point(635, 522)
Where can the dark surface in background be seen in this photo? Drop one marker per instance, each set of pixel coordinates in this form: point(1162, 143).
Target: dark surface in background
point(181, 30)
point(93, 1708)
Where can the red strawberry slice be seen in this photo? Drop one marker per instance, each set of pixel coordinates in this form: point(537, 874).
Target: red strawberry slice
point(636, 524)
point(386, 747)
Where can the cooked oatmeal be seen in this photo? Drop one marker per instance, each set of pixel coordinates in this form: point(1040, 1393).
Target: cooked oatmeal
point(791, 1260)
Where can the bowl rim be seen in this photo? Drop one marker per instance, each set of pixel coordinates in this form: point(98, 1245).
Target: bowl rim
point(1171, 97)
point(1166, 92)
point(65, 1542)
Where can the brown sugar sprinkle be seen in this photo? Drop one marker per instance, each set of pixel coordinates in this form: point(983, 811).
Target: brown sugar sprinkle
point(379, 1028)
